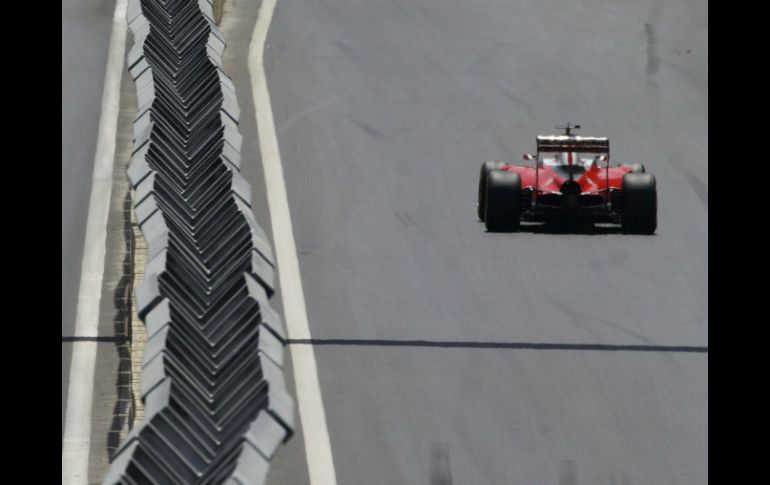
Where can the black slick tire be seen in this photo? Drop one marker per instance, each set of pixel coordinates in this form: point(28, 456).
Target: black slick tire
point(640, 204)
point(503, 201)
point(486, 167)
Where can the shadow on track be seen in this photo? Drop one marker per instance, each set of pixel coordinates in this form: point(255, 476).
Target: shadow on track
point(561, 228)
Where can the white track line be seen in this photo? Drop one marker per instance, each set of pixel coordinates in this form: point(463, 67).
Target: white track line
point(77, 423)
point(318, 449)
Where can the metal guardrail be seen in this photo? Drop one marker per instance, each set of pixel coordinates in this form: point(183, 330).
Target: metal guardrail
point(212, 384)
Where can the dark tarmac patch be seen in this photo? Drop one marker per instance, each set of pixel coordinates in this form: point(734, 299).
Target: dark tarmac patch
point(440, 471)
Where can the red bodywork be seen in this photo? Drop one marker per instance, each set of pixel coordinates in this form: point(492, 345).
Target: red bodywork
point(550, 179)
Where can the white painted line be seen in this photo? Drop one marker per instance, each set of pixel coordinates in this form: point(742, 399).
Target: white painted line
point(318, 449)
point(77, 423)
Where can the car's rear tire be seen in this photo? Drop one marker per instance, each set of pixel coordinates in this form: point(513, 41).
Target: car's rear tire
point(486, 167)
point(637, 168)
point(640, 204)
point(503, 201)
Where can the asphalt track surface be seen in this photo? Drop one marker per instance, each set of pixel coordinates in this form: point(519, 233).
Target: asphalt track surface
point(384, 111)
point(86, 28)
point(447, 354)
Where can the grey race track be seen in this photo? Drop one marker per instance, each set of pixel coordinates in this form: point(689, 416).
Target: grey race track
point(86, 28)
point(384, 110)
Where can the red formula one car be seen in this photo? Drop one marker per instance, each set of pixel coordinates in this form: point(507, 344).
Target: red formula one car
point(571, 180)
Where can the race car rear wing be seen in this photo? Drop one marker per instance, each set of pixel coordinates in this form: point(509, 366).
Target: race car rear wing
point(563, 143)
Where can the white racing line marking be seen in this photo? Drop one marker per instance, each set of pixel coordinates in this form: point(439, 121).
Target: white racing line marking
point(318, 449)
point(77, 423)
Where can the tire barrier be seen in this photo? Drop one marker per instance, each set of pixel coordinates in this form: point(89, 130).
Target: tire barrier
point(212, 384)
